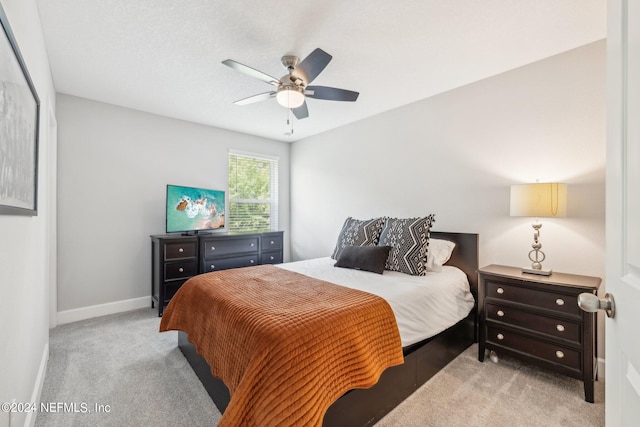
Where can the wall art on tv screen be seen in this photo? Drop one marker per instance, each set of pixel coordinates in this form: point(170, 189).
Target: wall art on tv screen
point(194, 209)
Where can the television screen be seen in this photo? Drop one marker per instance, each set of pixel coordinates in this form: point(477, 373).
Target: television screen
point(194, 209)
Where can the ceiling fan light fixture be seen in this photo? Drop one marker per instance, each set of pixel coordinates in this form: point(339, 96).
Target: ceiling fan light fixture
point(290, 96)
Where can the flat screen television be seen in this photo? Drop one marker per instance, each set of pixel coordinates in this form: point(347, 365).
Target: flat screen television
point(190, 209)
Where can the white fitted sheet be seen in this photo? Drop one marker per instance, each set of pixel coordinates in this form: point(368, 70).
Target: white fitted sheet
point(423, 305)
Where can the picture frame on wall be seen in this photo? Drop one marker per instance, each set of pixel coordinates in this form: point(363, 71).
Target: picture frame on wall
point(19, 127)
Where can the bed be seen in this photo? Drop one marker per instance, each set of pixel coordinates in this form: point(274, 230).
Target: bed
point(422, 357)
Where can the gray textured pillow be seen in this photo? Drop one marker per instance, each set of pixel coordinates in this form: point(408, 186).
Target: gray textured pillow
point(409, 241)
point(367, 258)
point(357, 232)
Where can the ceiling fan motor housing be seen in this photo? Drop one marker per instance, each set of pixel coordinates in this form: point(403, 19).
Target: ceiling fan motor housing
point(290, 62)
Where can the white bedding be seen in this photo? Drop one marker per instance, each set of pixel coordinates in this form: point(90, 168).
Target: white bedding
point(423, 305)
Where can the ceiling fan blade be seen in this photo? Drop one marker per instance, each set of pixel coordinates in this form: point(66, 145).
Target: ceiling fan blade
point(251, 72)
point(256, 98)
point(302, 112)
point(311, 66)
point(331, 93)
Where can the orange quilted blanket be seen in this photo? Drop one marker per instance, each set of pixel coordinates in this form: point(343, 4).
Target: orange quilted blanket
point(286, 345)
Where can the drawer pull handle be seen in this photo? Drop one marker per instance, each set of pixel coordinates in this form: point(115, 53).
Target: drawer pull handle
point(500, 336)
point(213, 248)
point(213, 266)
point(559, 354)
point(251, 261)
point(252, 244)
point(560, 301)
point(560, 328)
point(500, 313)
point(500, 291)
point(180, 250)
point(181, 269)
point(272, 258)
point(272, 242)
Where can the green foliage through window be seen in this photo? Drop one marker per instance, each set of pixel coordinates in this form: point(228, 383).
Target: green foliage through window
point(253, 194)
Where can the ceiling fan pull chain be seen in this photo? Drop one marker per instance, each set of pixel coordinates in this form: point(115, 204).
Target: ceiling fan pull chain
point(289, 122)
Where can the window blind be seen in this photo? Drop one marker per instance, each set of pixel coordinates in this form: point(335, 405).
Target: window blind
point(253, 192)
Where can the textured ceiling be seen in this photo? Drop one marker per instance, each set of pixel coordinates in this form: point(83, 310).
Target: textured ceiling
point(164, 56)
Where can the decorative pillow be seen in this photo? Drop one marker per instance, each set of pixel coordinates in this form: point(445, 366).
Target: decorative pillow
point(409, 241)
point(358, 233)
point(439, 253)
point(367, 258)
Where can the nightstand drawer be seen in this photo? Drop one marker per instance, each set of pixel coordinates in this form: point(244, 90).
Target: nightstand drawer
point(180, 269)
point(180, 250)
point(221, 247)
point(524, 319)
point(550, 300)
point(549, 352)
point(227, 263)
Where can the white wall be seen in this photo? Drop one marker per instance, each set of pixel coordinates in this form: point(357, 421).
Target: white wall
point(25, 241)
point(114, 166)
point(457, 153)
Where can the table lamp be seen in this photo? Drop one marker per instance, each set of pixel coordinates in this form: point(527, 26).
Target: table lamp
point(539, 200)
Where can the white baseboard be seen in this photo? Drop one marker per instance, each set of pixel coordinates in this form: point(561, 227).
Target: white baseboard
point(83, 313)
point(37, 387)
point(600, 369)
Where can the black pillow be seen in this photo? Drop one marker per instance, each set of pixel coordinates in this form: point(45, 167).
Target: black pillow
point(367, 258)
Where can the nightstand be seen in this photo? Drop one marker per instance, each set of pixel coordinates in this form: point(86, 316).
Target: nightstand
point(537, 319)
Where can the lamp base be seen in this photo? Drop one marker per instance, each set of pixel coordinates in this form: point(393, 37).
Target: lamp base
point(541, 272)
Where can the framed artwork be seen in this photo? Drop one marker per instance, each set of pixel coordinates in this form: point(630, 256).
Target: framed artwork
point(19, 121)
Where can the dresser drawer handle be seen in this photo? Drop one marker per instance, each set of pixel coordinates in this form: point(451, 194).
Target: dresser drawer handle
point(560, 328)
point(251, 261)
point(500, 291)
point(213, 266)
point(272, 258)
point(213, 248)
point(500, 336)
point(500, 313)
point(180, 250)
point(272, 242)
point(252, 244)
point(560, 301)
point(559, 354)
point(181, 269)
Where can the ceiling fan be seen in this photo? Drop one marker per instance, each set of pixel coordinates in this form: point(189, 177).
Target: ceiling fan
point(292, 89)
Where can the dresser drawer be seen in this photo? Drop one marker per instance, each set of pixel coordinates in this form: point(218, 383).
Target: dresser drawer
point(550, 300)
point(549, 352)
point(227, 263)
point(524, 319)
point(271, 243)
point(215, 248)
point(272, 257)
point(171, 288)
point(180, 250)
point(180, 269)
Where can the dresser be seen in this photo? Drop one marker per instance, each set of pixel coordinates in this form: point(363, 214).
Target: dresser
point(537, 319)
point(176, 258)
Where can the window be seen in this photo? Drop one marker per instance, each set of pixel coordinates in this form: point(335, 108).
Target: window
point(253, 192)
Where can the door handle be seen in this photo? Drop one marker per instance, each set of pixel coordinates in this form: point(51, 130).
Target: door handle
point(591, 303)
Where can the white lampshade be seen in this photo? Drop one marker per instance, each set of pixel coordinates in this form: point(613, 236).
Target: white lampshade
point(539, 200)
point(290, 97)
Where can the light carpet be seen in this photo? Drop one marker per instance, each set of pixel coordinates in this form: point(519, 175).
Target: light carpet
point(139, 375)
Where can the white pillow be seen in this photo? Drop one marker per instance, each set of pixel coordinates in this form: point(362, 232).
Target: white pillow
point(439, 253)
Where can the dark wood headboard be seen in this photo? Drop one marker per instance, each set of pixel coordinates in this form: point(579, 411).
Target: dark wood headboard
point(464, 256)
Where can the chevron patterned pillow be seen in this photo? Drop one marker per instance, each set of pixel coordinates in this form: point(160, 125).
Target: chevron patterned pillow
point(409, 241)
point(357, 232)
